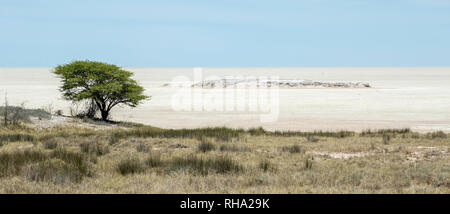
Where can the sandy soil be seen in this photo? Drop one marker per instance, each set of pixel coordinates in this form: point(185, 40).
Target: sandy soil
point(64, 121)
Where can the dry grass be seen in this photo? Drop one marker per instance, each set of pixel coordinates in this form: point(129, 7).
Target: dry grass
point(94, 147)
point(206, 146)
point(130, 166)
point(293, 149)
point(151, 160)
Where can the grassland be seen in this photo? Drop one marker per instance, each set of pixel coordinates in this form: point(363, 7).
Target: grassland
point(220, 160)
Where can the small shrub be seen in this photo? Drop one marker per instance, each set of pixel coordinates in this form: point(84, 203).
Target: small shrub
point(206, 146)
point(293, 149)
point(130, 166)
point(154, 160)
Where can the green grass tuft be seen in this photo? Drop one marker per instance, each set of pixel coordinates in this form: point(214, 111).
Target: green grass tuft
point(204, 166)
point(293, 149)
point(206, 146)
point(130, 166)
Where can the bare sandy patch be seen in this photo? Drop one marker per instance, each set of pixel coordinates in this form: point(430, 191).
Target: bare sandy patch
point(427, 153)
point(64, 121)
point(340, 155)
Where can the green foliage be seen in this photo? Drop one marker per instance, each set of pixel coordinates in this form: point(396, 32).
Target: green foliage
point(107, 85)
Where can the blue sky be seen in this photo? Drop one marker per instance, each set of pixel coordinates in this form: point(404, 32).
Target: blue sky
point(226, 33)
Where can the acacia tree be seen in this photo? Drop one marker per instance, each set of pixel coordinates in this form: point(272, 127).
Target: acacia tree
point(105, 84)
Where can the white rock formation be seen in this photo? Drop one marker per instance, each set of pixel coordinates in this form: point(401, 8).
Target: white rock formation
point(252, 83)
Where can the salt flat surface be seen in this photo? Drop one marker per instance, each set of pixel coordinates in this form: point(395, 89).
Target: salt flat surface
point(417, 98)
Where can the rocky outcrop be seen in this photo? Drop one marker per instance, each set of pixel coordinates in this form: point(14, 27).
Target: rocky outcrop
point(239, 83)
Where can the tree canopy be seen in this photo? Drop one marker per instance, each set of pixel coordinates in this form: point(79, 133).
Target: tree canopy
point(105, 84)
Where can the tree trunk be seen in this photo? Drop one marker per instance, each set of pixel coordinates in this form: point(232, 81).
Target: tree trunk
point(104, 115)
